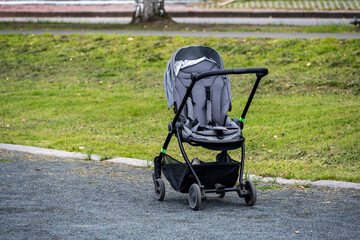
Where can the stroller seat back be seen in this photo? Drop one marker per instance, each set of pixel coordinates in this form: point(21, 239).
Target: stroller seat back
point(209, 101)
point(205, 113)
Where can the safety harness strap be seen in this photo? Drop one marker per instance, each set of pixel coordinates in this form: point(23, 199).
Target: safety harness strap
point(208, 110)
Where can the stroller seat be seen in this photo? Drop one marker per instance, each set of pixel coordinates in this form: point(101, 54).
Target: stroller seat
point(204, 117)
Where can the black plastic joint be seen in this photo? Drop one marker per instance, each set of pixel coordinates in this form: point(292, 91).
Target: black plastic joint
point(260, 75)
point(179, 125)
point(240, 124)
point(193, 77)
point(170, 127)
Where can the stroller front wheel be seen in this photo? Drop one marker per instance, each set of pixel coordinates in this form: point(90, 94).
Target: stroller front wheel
point(194, 197)
point(250, 197)
point(159, 189)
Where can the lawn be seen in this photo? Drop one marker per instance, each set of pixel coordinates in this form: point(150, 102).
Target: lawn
point(173, 26)
point(104, 94)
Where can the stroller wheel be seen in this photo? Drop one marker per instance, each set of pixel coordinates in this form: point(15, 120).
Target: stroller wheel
point(159, 189)
point(250, 198)
point(194, 197)
point(222, 195)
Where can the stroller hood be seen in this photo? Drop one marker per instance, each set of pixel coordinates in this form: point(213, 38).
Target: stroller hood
point(186, 57)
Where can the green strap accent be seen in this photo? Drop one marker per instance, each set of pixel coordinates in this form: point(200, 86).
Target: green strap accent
point(241, 119)
point(163, 150)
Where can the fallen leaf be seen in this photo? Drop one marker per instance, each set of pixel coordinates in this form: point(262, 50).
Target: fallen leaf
point(308, 64)
point(297, 232)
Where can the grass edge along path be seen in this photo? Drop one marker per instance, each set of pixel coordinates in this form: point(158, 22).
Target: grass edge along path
point(103, 94)
point(172, 26)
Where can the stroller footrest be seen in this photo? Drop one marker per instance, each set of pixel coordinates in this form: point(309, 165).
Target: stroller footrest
point(219, 188)
point(219, 191)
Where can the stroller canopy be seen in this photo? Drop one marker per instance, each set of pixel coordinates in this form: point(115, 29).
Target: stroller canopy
point(187, 57)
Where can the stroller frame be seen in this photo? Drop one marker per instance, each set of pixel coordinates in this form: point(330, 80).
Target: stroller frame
point(197, 190)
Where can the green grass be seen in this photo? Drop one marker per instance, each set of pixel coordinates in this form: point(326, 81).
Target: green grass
point(5, 160)
point(172, 26)
point(104, 94)
point(268, 187)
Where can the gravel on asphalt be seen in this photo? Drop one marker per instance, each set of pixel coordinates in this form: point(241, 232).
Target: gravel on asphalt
point(53, 198)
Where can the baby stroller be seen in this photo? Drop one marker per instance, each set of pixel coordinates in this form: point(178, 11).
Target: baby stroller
point(197, 86)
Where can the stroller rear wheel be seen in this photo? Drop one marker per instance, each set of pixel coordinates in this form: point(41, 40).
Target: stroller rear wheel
point(250, 198)
point(159, 189)
point(194, 197)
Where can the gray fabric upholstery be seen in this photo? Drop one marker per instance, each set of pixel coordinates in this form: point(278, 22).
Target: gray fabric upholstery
point(188, 53)
point(205, 112)
point(219, 97)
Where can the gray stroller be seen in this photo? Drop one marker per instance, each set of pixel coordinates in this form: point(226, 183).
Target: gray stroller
point(197, 86)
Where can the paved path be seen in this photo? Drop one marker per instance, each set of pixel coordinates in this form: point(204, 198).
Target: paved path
point(195, 34)
point(122, 13)
point(174, 10)
point(189, 20)
point(278, 4)
point(143, 163)
point(57, 198)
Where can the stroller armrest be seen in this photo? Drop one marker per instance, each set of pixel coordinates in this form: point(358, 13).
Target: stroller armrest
point(260, 72)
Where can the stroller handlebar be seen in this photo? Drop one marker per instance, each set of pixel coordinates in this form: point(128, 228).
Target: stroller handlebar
point(260, 72)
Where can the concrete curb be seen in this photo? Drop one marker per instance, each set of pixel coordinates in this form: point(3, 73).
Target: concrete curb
point(144, 163)
point(48, 152)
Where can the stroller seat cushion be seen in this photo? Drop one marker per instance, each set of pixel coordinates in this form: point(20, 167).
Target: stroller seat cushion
point(200, 134)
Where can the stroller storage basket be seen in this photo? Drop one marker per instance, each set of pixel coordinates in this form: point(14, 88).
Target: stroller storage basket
point(209, 173)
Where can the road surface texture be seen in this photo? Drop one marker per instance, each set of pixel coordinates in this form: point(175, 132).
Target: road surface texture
point(51, 198)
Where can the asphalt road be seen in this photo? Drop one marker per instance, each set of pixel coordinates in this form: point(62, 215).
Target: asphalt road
point(192, 20)
point(49, 198)
point(194, 34)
